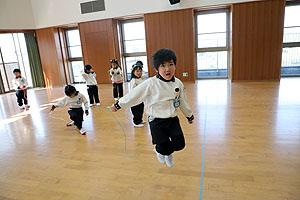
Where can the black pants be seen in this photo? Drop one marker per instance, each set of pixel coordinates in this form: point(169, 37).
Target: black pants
point(118, 90)
point(21, 95)
point(76, 114)
point(93, 93)
point(137, 112)
point(167, 135)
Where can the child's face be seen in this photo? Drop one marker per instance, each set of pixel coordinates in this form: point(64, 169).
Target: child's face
point(72, 95)
point(17, 74)
point(114, 65)
point(167, 70)
point(138, 73)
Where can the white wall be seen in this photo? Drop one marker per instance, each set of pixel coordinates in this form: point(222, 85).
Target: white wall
point(16, 14)
point(60, 12)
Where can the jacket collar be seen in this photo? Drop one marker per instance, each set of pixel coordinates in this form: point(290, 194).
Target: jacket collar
point(161, 78)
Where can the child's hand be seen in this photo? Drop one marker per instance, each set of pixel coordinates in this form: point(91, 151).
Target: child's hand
point(118, 73)
point(52, 108)
point(86, 112)
point(112, 72)
point(113, 108)
point(190, 122)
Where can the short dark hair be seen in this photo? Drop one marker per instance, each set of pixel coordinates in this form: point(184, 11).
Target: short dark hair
point(139, 63)
point(114, 61)
point(135, 67)
point(162, 56)
point(69, 90)
point(87, 67)
point(17, 70)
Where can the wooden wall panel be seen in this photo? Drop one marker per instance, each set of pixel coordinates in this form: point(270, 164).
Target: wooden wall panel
point(257, 38)
point(99, 46)
point(173, 30)
point(51, 56)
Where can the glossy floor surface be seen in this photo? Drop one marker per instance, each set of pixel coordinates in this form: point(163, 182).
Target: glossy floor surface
point(252, 148)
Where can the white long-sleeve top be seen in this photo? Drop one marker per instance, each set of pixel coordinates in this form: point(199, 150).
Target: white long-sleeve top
point(90, 78)
point(116, 75)
point(74, 102)
point(136, 81)
point(159, 97)
point(18, 82)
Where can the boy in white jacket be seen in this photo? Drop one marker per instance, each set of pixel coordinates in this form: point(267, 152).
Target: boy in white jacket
point(74, 100)
point(20, 85)
point(163, 94)
point(90, 77)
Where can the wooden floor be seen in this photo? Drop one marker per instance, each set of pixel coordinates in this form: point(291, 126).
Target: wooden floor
point(252, 148)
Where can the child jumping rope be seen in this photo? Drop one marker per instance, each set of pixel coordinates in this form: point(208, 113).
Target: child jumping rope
point(90, 77)
point(74, 101)
point(20, 85)
point(116, 78)
point(163, 95)
point(137, 77)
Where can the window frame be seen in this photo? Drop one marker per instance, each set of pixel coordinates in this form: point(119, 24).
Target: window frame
point(70, 59)
point(122, 44)
point(213, 49)
point(289, 44)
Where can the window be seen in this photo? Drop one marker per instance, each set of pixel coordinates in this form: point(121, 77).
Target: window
point(134, 44)
point(212, 44)
point(75, 54)
point(13, 54)
point(291, 42)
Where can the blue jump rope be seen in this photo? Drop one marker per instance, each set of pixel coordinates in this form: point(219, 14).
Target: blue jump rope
point(125, 137)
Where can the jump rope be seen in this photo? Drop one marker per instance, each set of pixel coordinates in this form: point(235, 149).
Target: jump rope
point(123, 131)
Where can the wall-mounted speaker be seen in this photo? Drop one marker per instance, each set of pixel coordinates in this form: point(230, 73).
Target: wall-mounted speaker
point(174, 1)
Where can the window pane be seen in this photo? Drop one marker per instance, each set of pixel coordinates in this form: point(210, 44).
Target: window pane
point(292, 16)
point(290, 57)
point(211, 23)
point(212, 60)
point(8, 48)
point(73, 37)
point(75, 52)
point(212, 30)
point(291, 34)
point(212, 40)
point(129, 61)
point(212, 64)
point(134, 30)
point(25, 59)
point(77, 67)
point(133, 46)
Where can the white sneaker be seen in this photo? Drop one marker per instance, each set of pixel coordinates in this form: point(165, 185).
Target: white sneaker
point(98, 104)
point(27, 106)
point(160, 158)
point(22, 107)
point(144, 122)
point(82, 131)
point(72, 123)
point(169, 160)
point(116, 99)
point(138, 125)
point(91, 105)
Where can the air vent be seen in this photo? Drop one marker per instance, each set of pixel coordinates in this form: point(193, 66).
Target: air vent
point(92, 6)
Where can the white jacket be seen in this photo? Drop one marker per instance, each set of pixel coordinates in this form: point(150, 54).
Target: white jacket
point(90, 78)
point(18, 82)
point(159, 97)
point(116, 75)
point(74, 102)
